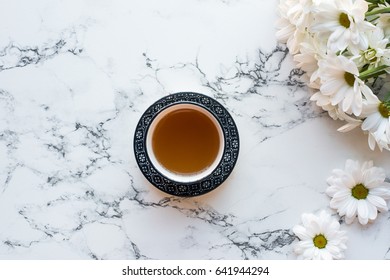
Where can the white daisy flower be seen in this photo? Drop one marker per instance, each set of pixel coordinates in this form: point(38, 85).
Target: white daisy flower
point(344, 22)
point(384, 21)
point(358, 191)
point(290, 35)
point(377, 123)
point(300, 12)
point(320, 237)
point(340, 46)
point(335, 112)
point(286, 28)
point(311, 50)
point(340, 81)
point(323, 101)
point(288, 32)
point(376, 54)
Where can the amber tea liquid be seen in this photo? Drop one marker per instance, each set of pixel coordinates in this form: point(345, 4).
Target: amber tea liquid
point(186, 141)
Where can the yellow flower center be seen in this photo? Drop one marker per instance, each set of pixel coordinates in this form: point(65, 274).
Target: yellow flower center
point(320, 241)
point(384, 110)
point(344, 20)
point(370, 54)
point(349, 78)
point(359, 191)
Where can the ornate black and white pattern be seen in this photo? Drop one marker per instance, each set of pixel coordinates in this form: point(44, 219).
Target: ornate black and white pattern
point(221, 172)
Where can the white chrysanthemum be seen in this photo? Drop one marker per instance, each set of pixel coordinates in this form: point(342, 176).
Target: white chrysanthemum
point(335, 112)
point(344, 22)
point(324, 102)
point(376, 54)
point(358, 191)
point(290, 35)
point(377, 123)
point(340, 81)
point(340, 46)
point(320, 237)
point(300, 12)
point(384, 21)
point(288, 32)
point(311, 50)
point(286, 28)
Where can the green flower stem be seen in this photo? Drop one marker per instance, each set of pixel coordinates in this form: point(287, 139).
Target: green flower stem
point(373, 19)
point(387, 98)
point(375, 72)
point(372, 6)
point(379, 11)
point(376, 1)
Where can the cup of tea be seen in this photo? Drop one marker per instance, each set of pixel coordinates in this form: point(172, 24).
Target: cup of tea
point(186, 144)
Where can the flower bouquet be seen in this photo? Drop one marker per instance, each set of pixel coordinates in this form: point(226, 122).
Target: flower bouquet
point(343, 46)
point(357, 192)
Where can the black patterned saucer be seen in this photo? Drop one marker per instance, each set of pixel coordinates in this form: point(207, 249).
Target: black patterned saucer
point(218, 175)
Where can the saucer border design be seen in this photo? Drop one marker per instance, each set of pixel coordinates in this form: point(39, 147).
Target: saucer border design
point(219, 174)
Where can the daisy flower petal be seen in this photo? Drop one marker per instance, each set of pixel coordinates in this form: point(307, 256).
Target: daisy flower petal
point(301, 232)
point(378, 202)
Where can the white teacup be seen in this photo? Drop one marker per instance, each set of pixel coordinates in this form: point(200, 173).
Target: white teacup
point(160, 160)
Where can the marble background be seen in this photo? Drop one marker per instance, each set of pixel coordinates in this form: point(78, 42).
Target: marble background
point(75, 77)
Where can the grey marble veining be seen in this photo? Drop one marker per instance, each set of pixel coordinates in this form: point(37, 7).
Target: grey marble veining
point(76, 76)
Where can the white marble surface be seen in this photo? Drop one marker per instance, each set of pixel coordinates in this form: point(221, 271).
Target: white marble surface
point(75, 77)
